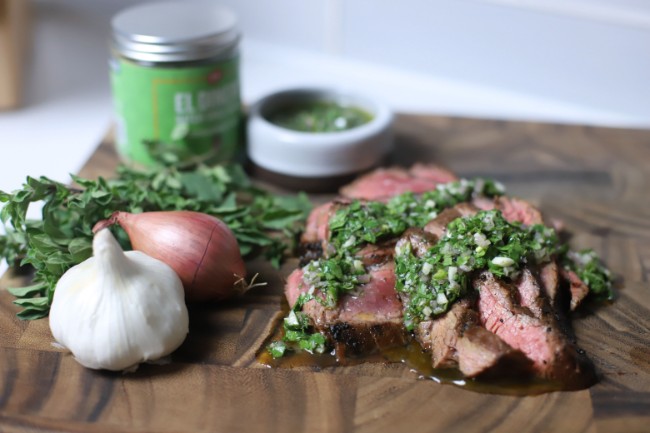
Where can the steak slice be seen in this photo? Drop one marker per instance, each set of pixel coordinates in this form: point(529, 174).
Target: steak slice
point(419, 240)
point(512, 209)
point(517, 210)
point(456, 338)
point(540, 339)
point(438, 225)
point(314, 240)
point(578, 289)
point(483, 203)
point(362, 322)
point(549, 275)
point(376, 254)
point(530, 294)
point(317, 224)
point(482, 353)
point(385, 183)
point(432, 172)
point(440, 335)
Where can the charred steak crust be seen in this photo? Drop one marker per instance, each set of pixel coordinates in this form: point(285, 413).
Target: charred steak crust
point(356, 339)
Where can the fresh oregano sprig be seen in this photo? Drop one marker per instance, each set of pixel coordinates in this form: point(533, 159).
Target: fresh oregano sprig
point(263, 223)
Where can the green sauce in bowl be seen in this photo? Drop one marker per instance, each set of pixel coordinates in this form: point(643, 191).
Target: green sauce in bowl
point(320, 116)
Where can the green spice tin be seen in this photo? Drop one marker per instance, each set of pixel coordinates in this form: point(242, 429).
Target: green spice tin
point(175, 79)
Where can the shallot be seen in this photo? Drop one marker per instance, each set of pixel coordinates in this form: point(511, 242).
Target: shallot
point(199, 247)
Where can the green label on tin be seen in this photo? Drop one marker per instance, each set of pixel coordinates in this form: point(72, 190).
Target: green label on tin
point(193, 111)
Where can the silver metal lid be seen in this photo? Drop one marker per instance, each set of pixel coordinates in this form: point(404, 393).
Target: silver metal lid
point(175, 31)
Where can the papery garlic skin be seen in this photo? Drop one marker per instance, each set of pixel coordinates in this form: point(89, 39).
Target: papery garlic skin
point(118, 309)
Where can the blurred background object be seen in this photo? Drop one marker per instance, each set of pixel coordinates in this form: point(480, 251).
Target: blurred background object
point(567, 61)
point(14, 33)
point(562, 61)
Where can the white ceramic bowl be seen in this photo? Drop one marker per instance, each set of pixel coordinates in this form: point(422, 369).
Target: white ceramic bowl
point(312, 155)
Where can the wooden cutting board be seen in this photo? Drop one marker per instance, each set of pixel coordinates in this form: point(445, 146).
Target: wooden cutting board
point(594, 179)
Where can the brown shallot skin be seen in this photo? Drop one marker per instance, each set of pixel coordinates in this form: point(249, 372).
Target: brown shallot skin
point(199, 247)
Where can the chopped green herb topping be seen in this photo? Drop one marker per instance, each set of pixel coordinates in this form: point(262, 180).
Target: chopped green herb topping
point(361, 223)
point(333, 277)
point(327, 279)
point(297, 334)
point(484, 241)
point(370, 222)
point(591, 271)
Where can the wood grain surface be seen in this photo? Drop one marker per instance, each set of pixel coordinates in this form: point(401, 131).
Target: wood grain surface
point(594, 179)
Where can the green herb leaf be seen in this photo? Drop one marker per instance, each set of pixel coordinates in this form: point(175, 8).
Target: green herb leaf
point(277, 349)
point(27, 291)
point(80, 249)
point(591, 271)
point(37, 303)
point(33, 313)
point(262, 222)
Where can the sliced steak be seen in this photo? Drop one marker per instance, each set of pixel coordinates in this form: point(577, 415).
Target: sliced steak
point(483, 203)
point(513, 210)
point(578, 289)
point(419, 240)
point(549, 278)
point(317, 224)
point(482, 353)
point(376, 254)
point(540, 339)
point(438, 225)
point(518, 210)
point(550, 275)
point(456, 338)
point(363, 322)
point(440, 335)
point(530, 295)
point(313, 242)
point(385, 183)
point(432, 172)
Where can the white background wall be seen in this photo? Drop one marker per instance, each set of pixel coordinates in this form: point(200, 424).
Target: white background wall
point(591, 54)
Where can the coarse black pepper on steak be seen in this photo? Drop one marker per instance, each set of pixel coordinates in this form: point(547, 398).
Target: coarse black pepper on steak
point(501, 328)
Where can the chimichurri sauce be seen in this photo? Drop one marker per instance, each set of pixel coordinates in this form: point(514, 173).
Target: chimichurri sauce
point(319, 117)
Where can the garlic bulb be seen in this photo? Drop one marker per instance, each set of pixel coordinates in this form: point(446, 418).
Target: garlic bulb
point(118, 309)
